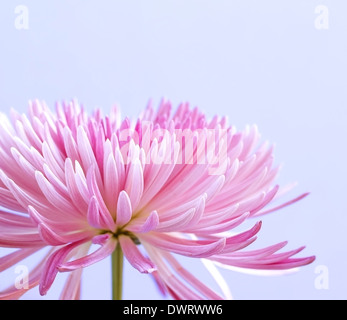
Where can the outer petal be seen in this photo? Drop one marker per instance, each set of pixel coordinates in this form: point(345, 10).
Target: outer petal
point(104, 251)
point(192, 280)
point(12, 292)
point(50, 269)
point(186, 247)
point(135, 257)
point(14, 257)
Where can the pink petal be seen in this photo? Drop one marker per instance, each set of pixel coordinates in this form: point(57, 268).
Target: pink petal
point(192, 280)
point(13, 293)
point(243, 236)
point(52, 195)
point(11, 259)
point(112, 186)
point(31, 239)
point(139, 226)
point(51, 266)
point(220, 226)
point(57, 233)
point(159, 282)
point(51, 161)
point(135, 257)
point(85, 150)
point(260, 253)
point(134, 183)
point(282, 205)
point(186, 247)
point(124, 209)
point(97, 218)
point(105, 215)
point(177, 223)
point(49, 236)
point(269, 196)
point(76, 194)
point(7, 200)
point(70, 146)
point(23, 197)
point(15, 220)
point(104, 251)
point(56, 183)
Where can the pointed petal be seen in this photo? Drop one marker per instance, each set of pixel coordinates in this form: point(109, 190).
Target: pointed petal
point(135, 257)
point(11, 259)
point(111, 182)
point(192, 280)
point(177, 223)
point(96, 217)
point(105, 216)
point(104, 251)
point(50, 269)
point(134, 183)
point(52, 195)
point(76, 194)
point(186, 247)
point(139, 226)
point(283, 205)
point(124, 209)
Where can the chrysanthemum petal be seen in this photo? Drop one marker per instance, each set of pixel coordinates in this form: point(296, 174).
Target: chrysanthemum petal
point(12, 258)
point(77, 194)
point(104, 251)
point(97, 217)
point(14, 292)
point(51, 266)
point(29, 238)
point(134, 183)
point(191, 279)
point(140, 225)
point(52, 195)
point(282, 205)
point(124, 209)
point(135, 257)
point(111, 180)
point(186, 247)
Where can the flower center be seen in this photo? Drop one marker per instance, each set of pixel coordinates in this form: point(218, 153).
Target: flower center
point(122, 232)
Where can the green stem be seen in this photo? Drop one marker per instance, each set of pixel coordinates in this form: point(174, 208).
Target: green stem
point(117, 273)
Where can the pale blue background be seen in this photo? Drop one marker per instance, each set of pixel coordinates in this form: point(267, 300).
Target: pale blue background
point(260, 62)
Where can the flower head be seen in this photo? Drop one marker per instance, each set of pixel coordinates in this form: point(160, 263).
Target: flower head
point(170, 184)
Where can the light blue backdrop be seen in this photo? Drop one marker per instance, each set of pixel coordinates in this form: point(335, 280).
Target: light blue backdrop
point(279, 64)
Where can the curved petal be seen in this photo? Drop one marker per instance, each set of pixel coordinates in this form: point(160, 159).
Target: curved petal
point(135, 257)
point(140, 226)
point(12, 292)
point(186, 247)
point(104, 251)
point(51, 266)
point(98, 218)
point(96, 193)
point(124, 209)
point(192, 280)
point(12, 258)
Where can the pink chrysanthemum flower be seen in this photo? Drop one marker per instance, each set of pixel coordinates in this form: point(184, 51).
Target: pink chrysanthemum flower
point(168, 185)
